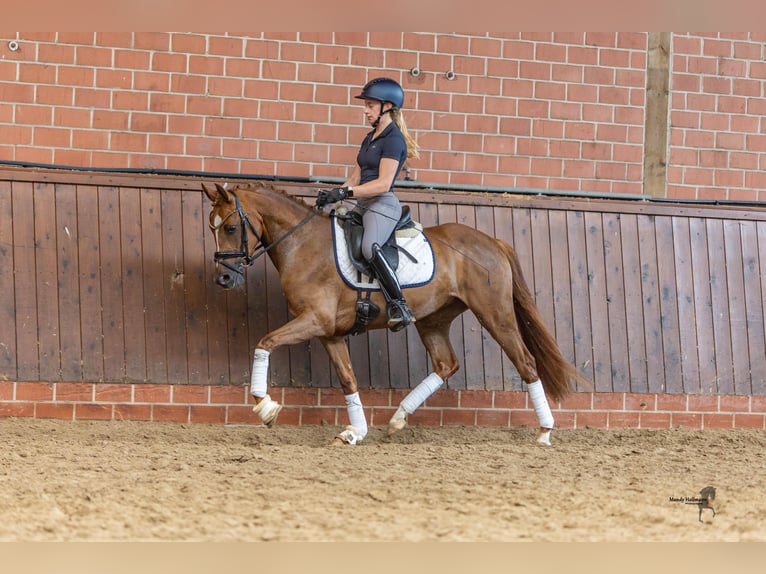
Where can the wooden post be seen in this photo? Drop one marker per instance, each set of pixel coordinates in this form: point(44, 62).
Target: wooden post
point(656, 121)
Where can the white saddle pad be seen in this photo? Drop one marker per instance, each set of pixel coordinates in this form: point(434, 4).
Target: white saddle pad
point(410, 273)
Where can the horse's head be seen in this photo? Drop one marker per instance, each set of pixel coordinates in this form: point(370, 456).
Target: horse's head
point(236, 235)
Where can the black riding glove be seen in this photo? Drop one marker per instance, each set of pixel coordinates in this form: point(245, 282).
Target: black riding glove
point(333, 195)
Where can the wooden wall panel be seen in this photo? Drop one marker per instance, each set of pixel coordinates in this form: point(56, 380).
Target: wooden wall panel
point(8, 309)
point(132, 260)
point(25, 282)
point(634, 318)
point(68, 268)
point(703, 308)
point(110, 241)
point(111, 279)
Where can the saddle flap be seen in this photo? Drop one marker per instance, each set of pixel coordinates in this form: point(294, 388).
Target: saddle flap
point(353, 230)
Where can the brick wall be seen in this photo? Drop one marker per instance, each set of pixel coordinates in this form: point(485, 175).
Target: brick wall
point(214, 404)
point(718, 116)
point(563, 111)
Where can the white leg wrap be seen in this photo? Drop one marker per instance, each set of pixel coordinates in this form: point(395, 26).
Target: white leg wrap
point(419, 394)
point(356, 415)
point(259, 374)
point(540, 403)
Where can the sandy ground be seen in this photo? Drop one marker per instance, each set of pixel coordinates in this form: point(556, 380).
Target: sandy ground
point(126, 481)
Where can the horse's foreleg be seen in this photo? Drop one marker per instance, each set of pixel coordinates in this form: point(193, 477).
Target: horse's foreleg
point(338, 352)
point(436, 340)
point(299, 329)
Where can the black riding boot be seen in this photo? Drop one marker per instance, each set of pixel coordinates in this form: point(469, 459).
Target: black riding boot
point(399, 315)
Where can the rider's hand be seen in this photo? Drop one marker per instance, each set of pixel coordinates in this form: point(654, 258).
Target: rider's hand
point(333, 195)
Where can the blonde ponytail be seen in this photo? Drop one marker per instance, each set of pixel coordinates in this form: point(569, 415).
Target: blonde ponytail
point(412, 146)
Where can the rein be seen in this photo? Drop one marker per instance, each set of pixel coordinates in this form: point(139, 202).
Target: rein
point(262, 247)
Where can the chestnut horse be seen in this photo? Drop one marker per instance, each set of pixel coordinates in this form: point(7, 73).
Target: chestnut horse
point(473, 271)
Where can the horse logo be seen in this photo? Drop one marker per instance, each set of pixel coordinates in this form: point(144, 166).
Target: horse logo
point(705, 500)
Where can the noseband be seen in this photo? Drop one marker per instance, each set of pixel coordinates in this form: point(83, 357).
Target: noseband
point(243, 255)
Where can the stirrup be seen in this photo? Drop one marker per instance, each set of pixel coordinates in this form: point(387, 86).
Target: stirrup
point(398, 315)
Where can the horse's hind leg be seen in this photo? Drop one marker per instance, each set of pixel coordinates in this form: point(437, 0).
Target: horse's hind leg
point(506, 332)
point(338, 352)
point(435, 337)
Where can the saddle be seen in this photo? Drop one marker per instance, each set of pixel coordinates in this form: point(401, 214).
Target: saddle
point(353, 231)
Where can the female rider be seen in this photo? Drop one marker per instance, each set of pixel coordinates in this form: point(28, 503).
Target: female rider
point(381, 157)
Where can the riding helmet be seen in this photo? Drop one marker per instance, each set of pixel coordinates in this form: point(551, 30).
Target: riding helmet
point(383, 90)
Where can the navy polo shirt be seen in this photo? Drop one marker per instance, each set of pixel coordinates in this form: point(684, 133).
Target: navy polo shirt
point(389, 144)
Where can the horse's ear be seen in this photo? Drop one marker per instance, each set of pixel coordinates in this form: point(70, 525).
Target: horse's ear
point(223, 192)
point(210, 195)
point(216, 195)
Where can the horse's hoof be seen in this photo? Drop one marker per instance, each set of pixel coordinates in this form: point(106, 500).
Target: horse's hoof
point(268, 410)
point(544, 437)
point(398, 421)
point(349, 436)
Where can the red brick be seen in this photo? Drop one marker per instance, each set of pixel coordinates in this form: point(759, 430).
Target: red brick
point(443, 398)
point(749, 421)
point(493, 418)
point(245, 415)
point(686, 420)
point(577, 401)
point(114, 393)
point(376, 397)
point(510, 400)
point(654, 420)
point(34, 391)
point(426, 417)
point(703, 403)
point(524, 418)
point(288, 416)
point(621, 419)
point(319, 415)
point(17, 409)
point(190, 394)
point(170, 413)
point(6, 390)
point(476, 399)
point(462, 417)
point(565, 420)
point(668, 402)
point(591, 420)
point(716, 421)
point(758, 404)
point(738, 403)
point(55, 411)
point(640, 401)
point(151, 393)
point(234, 395)
point(91, 411)
point(132, 412)
point(608, 401)
point(207, 414)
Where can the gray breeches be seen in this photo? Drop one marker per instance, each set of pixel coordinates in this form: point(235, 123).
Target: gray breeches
point(380, 218)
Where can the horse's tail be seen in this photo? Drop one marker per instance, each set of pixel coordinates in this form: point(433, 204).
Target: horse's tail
point(556, 373)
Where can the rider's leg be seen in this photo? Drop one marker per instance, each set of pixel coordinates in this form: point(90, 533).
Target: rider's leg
point(379, 221)
point(399, 315)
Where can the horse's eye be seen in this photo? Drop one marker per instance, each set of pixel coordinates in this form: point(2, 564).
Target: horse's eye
point(230, 229)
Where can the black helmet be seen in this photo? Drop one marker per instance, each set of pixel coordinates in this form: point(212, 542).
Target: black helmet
point(383, 90)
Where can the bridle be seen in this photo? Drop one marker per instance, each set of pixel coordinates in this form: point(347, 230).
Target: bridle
point(261, 247)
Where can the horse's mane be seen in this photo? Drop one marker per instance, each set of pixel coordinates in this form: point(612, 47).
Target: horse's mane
point(267, 186)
